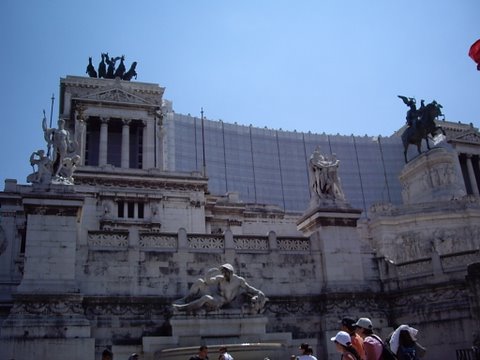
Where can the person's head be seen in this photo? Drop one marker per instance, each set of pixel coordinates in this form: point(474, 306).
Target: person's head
point(203, 351)
point(342, 341)
point(107, 354)
point(222, 350)
point(364, 327)
point(347, 324)
point(303, 348)
point(405, 339)
point(61, 123)
point(134, 356)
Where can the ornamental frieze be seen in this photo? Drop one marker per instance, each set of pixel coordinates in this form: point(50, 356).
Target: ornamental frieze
point(47, 307)
point(296, 306)
point(139, 183)
point(146, 308)
point(427, 302)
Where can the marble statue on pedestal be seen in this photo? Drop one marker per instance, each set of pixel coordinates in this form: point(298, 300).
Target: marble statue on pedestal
point(222, 288)
point(324, 179)
point(60, 166)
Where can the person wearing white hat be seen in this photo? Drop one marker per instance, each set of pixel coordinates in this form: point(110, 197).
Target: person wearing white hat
point(403, 343)
point(343, 343)
point(372, 344)
point(348, 325)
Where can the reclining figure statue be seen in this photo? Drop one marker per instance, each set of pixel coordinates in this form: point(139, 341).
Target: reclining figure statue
point(222, 289)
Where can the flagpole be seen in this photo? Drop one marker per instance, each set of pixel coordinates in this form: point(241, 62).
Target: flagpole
point(51, 111)
point(204, 169)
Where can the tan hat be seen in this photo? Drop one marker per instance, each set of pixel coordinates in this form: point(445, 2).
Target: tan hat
point(364, 323)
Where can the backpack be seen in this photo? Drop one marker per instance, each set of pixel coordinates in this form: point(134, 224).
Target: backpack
point(387, 354)
point(408, 352)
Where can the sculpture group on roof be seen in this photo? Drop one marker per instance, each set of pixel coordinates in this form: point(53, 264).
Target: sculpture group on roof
point(107, 70)
point(420, 123)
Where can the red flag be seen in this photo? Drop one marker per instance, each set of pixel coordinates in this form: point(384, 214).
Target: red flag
point(474, 52)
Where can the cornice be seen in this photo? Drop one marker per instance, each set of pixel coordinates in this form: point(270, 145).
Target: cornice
point(86, 82)
point(144, 180)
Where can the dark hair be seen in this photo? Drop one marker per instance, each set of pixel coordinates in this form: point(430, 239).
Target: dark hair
point(203, 347)
point(405, 339)
point(367, 331)
point(350, 349)
point(350, 328)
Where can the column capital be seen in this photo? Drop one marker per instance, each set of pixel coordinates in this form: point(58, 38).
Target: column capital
point(126, 122)
point(104, 120)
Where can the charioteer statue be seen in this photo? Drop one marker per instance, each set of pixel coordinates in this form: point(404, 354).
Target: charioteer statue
point(107, 70)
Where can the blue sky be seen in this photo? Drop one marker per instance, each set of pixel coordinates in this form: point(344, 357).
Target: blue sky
point(313, 65)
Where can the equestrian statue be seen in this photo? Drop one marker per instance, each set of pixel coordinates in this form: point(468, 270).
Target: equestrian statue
point(421, 123)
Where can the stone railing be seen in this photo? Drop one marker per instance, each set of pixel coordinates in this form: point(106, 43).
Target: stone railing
point(205, 242)
point(157, 241)
point(115, 240)
point(293, 244)
point(108, 240)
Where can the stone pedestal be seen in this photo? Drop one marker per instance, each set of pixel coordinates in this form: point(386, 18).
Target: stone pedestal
point(213, 330)
point(432, 176)
point(47, 303)
point(333, 232)
point(50, 246)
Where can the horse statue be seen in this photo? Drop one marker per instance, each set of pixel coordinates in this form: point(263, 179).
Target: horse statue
point(90, 69)
point(422, 126)
point(121, 68)
point(131, 72)
point(102, 68)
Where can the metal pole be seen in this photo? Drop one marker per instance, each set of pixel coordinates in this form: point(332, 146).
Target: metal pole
point(203, 147)
point(51, 110)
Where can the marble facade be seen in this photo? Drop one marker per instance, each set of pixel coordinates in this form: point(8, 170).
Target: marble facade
point(97, 264)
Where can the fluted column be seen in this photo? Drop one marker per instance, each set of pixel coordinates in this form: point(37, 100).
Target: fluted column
point(126, 143)
point(471, 175)
point(148, 147)
point(103, 146)
point(80, 135)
